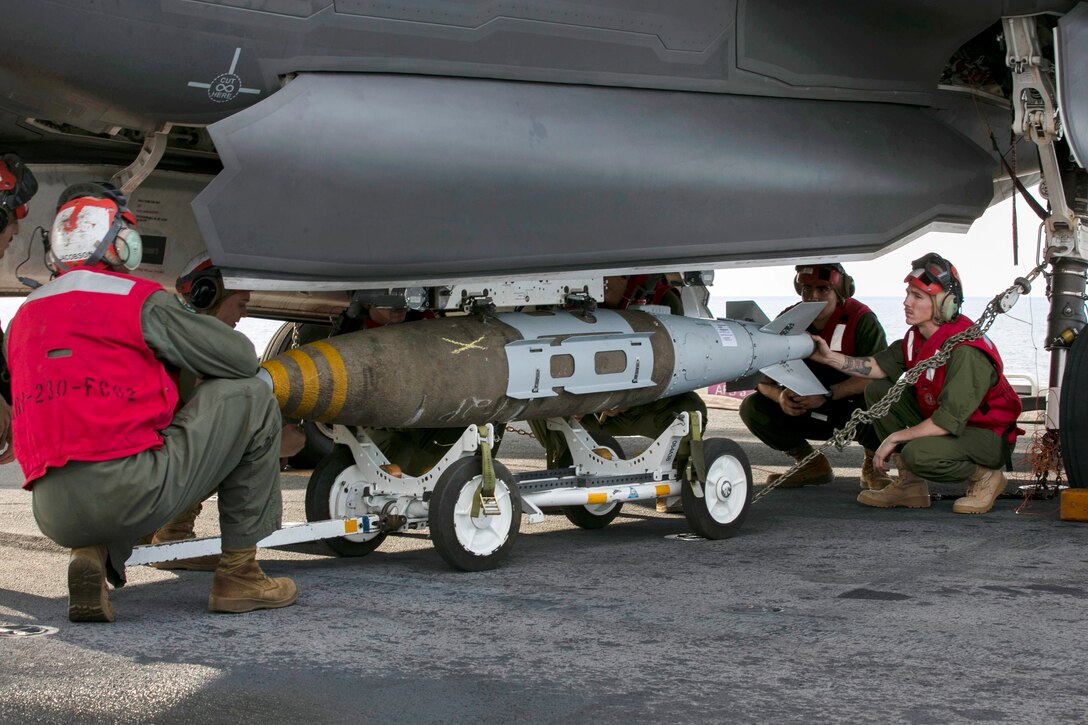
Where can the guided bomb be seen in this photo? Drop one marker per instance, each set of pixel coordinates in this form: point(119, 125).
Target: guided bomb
point(457, 371)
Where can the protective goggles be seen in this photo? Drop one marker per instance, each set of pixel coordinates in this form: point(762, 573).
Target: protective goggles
point(818, 276)
point(931, 274)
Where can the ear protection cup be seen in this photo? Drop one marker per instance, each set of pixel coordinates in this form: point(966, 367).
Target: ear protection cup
point(205, 294)
point(846, 288)
point(127, 250)
point(202, 288)
point(946, 306)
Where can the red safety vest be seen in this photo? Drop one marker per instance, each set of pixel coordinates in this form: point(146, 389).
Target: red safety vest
point(999, 409)
point(412, 316)
point(85, 385)
point(839, 329)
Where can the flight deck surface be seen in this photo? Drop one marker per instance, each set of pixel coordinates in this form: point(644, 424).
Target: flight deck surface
point(819, 610)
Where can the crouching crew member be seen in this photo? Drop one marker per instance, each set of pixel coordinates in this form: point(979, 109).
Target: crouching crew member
point(960, 423)
point(786, 421)
point(105, 453)
point(201, 288)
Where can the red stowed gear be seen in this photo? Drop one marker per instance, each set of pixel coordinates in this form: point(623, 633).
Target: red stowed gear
point(999, 409)
point(412, 316)
point(639, 291)
point(85, 385)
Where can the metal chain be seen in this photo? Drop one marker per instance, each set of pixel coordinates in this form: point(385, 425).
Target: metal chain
point(519, 431)
point(843, 436)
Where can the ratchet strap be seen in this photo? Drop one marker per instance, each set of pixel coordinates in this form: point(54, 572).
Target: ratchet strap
point(697, 461)
point(484, 498)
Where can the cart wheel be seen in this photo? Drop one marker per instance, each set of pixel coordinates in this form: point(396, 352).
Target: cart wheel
point(467, 543)
point(1073, 425)
point(329, 496)
point(594, 516)
point(726, 492)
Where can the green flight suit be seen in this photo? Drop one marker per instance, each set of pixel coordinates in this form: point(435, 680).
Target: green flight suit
point(942, 459)
point(227, 437)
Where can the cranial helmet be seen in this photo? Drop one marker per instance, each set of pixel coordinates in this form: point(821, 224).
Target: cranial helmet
point(824, 275)
point(935, 275)
point(94, 225)
point(201, 284)
point(17, 187)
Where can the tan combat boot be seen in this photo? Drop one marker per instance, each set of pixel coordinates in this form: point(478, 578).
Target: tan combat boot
point(908, 490)
point(983, 488)
point(181, 529)
point(240, 585)
point(816, 472)
point(88, 596)
point(871, 478)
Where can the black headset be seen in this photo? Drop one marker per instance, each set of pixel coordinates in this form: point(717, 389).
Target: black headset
point(202, 288)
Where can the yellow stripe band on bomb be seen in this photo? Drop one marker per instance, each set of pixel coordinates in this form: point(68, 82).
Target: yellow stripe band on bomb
point(281, 382)
point(339, 378)
point(311, 384)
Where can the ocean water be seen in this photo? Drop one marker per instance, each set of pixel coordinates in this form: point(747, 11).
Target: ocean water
point(1018, 334)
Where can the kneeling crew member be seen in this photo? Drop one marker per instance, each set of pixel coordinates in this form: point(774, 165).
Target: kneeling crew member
point(786, 421)
point(200, 287)
point(106, 456)
point(960, 424)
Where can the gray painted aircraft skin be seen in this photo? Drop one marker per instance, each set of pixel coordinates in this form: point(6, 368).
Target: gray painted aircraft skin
point(422, 140)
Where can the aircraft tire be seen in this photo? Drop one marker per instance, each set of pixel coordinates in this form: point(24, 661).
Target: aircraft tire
point(327, 498)
point(595, 516)
point(1072, 420)
point(472, 543)
point(727, 492)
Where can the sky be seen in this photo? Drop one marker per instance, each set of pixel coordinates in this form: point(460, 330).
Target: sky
point(983, 258)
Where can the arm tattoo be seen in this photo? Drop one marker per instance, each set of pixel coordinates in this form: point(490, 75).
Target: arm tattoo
point(860, 365)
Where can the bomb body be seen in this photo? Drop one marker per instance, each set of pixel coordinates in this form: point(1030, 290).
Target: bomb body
point(457, 371)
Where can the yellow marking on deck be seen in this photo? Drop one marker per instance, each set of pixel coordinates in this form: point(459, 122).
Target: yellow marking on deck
point(339, 379)
point(310, 383)
point(662, 490)
point(281, 383)
point(351, 527)
point(597, 498)
point(462, 346)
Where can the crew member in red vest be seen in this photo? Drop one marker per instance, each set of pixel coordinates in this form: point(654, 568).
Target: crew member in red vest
point(104, 450)
point(960, 424)
point(786, 421)
point(200, 287)
point(17, 187)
